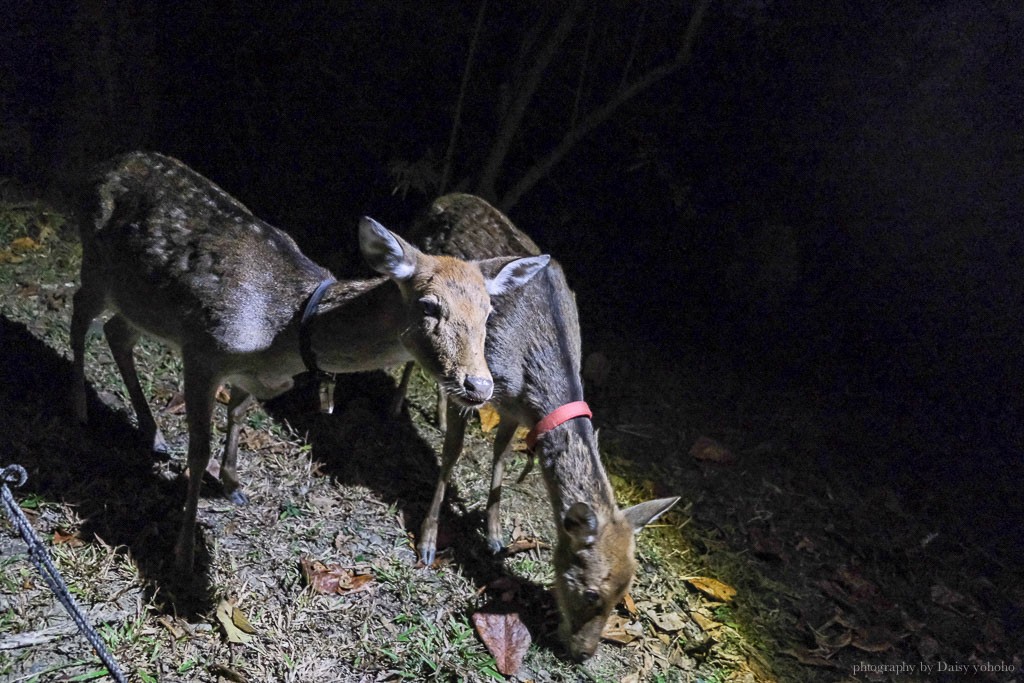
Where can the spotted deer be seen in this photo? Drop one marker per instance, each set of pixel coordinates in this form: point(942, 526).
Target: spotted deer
point(533, 351)
point(178, 259)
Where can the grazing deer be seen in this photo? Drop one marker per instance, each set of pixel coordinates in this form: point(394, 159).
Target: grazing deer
point(177, 258)
point(533, 351)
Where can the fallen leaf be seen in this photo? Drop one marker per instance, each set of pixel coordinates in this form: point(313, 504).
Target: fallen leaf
point(713, 588)
point(669, 622)
point(833, 643)
point(519, 446)
point(175, 404)
point(928, 647)
point(20, 245)
point(627, 602)
point(7, 256)
point(333, 578)
point(707, 624)
point(946, 597)
point(505, 636)
point(489, 417)
point(765, 544)
point(809, 658)
point(69, 538)
point(256, 439)
point(709, 450)
point(226, 673)
point(874, 639)
point(176, 631)
point(522, 545)
point(621, 630)
point(859, 589)
point(236, 626)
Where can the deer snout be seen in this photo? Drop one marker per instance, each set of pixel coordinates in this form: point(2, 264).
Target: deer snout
point(478, 389)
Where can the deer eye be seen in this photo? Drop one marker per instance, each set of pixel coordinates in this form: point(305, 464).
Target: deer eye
point(430, 307)
point(592, 597)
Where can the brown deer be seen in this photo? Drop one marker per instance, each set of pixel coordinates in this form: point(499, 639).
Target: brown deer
point(177, 258)
point(533, 351)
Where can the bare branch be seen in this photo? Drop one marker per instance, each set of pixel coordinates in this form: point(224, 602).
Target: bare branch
point(521, 100)
point(449, 154)
point(604, 112)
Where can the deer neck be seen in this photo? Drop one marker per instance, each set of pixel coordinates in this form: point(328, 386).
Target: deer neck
point(357, 326)
point(572, 469)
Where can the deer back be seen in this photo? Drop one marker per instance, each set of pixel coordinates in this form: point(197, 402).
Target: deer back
point(185, 261)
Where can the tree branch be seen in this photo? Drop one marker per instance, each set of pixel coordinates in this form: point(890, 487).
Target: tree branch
point(449, 155)
point(521, 100)
point(603, 113)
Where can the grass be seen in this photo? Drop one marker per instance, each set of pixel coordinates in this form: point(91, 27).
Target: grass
point(349, 488)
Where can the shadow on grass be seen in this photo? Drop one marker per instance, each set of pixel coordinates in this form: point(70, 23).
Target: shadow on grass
point(104, 470)
point(360, 444)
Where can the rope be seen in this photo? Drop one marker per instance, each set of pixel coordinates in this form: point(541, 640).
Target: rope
point(16, 476)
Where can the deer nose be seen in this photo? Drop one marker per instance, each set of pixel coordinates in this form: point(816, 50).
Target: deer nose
point(478, 389)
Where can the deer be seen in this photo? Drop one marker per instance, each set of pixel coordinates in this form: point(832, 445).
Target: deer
point(176, 258)
point(533, 350)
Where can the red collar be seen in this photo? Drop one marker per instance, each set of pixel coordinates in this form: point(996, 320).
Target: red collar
point(556, 417)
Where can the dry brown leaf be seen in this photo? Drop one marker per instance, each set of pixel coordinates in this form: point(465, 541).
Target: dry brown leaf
point(176, 631)
point(832, 643)
point(21, 245)
point(69, 538)
point(522, 545)
point(860, 589)
point(505, 636)
point(810, 658)
point(627, 602)
point(709, 450)
point(256, 439)
point(706, 623)
point(713, 588)
point(874, 639)
point(489, 417)
point(946, 596)
point(621, 630)
point(333, 578)
point(766, 545)
point(228, 674)
point(237, 628)
point(669, 622)
point(175, 404)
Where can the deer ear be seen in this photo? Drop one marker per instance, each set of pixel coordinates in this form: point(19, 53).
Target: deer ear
point(642, 514)
point(386, 252)
point(580, 523)
point(504, 275)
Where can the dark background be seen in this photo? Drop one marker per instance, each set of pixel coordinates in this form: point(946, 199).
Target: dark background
point(822, 194)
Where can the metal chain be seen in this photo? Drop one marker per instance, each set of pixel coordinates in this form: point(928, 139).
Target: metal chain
point(16, 476)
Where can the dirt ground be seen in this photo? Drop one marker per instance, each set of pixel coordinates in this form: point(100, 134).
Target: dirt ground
point(787, 559)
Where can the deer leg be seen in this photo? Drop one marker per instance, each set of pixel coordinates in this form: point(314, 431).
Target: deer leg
point(88, 303)
point(239, 403)
point(200, 388)
point(403, 387)
point(122, 338)
point(502, 447)
point(450, 453)
point(442, 411)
